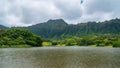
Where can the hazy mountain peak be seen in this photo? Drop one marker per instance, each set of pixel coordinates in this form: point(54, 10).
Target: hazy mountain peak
point(3, 27)
point(60, 21)
point(55, 20)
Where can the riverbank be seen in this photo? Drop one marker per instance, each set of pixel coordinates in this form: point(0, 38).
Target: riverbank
point(28, 46)
point(15, 46)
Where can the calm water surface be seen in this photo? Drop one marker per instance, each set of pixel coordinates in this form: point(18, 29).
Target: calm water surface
point(60, 57)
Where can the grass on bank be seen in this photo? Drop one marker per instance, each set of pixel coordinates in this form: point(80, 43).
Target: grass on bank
point(15, 46)
point(46, 44)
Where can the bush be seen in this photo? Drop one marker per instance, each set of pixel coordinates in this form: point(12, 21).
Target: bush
point(17, 36)
point(116, 43)
point(47, 44)
point(30, 42)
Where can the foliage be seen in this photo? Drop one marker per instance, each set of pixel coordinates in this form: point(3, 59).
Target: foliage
point(47, 44)
point(62, 34)
point(70, 42)
point(91, 40)
point(17, 36)
point(117, 43)
point(60, 29)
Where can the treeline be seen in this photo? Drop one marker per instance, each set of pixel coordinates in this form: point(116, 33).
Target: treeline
point(88, 40)
point(60, 29)
point(16, 37)
point(59, 33)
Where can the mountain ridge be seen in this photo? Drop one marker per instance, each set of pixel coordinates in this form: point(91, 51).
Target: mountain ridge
point(58, 28)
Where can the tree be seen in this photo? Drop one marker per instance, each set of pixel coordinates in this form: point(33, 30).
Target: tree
point(116, 43)
point(70, 42)
point(17, 36)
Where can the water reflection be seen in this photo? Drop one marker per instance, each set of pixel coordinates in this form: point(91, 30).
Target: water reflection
point(60, 57)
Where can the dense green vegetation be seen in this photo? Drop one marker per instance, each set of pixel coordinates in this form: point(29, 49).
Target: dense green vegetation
point(89, 40)
point(59, 33)
point(49, 29)
point(60, 29)
point(16, 37)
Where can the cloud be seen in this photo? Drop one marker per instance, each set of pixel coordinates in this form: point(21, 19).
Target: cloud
point(68, 9)
point(92, 6)
point(14, 21)
point(28, 12)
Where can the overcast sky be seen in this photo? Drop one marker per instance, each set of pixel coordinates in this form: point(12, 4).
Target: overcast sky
point(28, 12)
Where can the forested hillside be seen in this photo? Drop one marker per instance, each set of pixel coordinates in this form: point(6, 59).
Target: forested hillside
point(15, 37)
point(59, 33)
point(49, 29)
point(59, 28)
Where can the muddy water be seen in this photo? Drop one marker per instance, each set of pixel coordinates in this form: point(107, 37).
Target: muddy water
point(60, 57)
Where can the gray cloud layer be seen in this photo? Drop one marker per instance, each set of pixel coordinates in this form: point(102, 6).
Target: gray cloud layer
point(28, 12)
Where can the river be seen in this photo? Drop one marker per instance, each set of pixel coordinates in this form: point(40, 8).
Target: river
point(60, 57)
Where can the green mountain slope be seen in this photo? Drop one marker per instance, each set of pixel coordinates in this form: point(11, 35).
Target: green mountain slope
point(59, 28)
point(51, 28)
